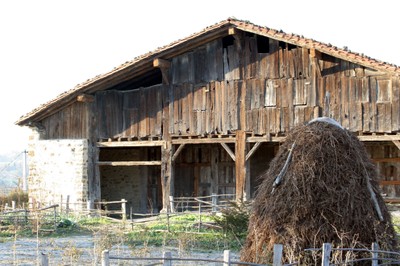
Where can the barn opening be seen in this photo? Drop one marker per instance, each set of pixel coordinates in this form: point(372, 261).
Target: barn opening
point(133, 174)
point(204, 169)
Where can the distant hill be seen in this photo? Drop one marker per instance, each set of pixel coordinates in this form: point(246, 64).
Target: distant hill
point(11, 169)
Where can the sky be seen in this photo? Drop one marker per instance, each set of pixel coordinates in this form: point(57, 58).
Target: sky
point(48, 47)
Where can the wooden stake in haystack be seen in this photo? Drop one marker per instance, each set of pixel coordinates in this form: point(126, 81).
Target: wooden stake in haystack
point(320, 188)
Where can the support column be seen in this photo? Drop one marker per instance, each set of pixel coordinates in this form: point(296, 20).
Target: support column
point(241, 165)
point(167, 175)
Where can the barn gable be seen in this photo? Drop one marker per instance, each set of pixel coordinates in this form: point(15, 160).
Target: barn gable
point(210, 110)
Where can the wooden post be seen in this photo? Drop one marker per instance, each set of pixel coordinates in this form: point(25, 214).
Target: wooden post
point(105, 258)
point(61, 203)
point(240, 164)
point(131, 216)
point(227, 257)
point(375, 254)
point(55, 217)
point(167, 259)
point(44, 260)
point(326, 253)
point(123, 209)
point(171, 203)
point(30, 204)
point(13, 205)
point(277, 259)
point(214, 203)
point(199, 216)
point(168, 227)
point(89, 205)
point(67, 205)
point(167, 178)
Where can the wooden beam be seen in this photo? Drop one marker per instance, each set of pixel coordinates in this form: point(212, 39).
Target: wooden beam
point(389, 182)
point(176, 153)
point(265, 139)
point(232, 31)
point(240, 165)
point(161, 63)
point(379, 137)
point(386, 160)
point(128, 163)
point(392, 200)
point(164, 66)
point(253, 150)
point(229, 151)
point(85, 98)
point(397, 143)
point(112, 144)
point(203, 141)
point(315, 54)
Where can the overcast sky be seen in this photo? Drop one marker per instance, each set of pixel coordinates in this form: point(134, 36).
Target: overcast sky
point(47, 47)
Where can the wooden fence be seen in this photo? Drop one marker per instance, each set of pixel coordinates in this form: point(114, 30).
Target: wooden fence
point(118, 209)
point(389, 257)
point(213, 203)
point(44, 219)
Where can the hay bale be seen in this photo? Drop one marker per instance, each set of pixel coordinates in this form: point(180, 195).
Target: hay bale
point(323, 197)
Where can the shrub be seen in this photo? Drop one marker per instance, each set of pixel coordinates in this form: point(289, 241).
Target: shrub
point(234, 220)
point(20, 197)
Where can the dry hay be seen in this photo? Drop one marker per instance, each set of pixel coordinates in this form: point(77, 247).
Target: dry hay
point(323, 198)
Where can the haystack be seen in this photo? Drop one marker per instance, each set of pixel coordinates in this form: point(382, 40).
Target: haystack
point(320, 188)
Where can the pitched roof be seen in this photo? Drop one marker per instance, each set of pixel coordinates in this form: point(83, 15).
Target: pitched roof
point(144, 63)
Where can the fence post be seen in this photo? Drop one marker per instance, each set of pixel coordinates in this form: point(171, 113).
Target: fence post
point(214, 203)
point(171, 203)
point(61, 203)
point(199, 216)
point(55, 217)
point(277, 257)
point(67, 205)
point(227, 257)
point(89, 207)
point(168, 229)
point(375, 254)
point(13, 205)
point(105, 258)
point(30, 204)
point(44, 260)
point(167, 258)
point(326, 253)
point(123, 209)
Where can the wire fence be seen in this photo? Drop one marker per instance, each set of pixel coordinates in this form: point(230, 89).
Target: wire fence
point(377, 257)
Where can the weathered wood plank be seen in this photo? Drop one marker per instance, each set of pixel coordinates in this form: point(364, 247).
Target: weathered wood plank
point(128, 163)
point(395, 104)
point(345, 113)
point(240, 164)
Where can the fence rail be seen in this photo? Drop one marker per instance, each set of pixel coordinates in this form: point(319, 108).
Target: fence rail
point(326, 250)
point(21, 215)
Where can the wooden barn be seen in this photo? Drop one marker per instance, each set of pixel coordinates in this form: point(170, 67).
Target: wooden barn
point(206, 114)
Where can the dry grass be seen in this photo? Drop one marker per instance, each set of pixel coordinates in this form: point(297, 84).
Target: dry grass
point(323, 197)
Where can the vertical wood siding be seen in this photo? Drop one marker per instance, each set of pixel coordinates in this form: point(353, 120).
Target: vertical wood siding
point(222, 87)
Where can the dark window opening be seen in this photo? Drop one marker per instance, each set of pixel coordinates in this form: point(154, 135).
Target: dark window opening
point(262, 44)
point(282, 45)
point(227, 41)
point(328, 58)
point(152, 78)
point(291, 46)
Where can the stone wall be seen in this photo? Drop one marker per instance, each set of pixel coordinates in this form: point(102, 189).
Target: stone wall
point(57, 169)
point(124, 182)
